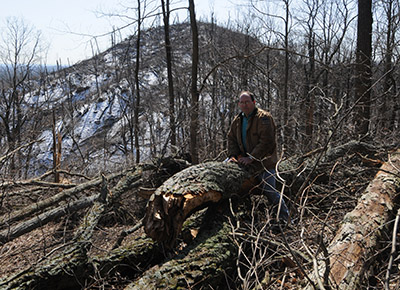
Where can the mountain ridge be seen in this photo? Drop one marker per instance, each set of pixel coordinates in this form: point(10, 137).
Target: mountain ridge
point(93, 100)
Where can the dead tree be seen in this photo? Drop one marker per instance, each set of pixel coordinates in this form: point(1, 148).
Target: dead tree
point(350, 251)
point(69, 266)
point(202, 261)
point(188, 191)
point(207, 261)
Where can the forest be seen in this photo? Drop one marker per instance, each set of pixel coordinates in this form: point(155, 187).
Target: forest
point(112, 172)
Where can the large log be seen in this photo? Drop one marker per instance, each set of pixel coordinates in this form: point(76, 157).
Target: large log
point(190, 190)
point(138, 254)
point(205, 264)
point(350, 251)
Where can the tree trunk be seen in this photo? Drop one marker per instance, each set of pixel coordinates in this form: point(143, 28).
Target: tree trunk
point(194, 103)
point(205, 264)
point(363, 67)
point(137, 82)
point(188, 191)
point(168, 50)
point(350, 251)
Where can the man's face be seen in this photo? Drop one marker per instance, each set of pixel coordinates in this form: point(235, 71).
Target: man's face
point(246, 105)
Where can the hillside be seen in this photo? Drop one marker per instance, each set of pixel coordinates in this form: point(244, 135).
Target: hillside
point(94, 100)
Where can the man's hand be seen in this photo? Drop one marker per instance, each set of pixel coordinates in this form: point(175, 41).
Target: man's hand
point(245, 160)
point(232, 159)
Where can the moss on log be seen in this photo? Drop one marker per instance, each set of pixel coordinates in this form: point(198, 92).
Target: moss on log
point(206, 264)
point(129, 260)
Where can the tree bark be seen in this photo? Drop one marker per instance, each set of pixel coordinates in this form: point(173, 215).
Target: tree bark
point(363, 77)
point(205, 264)
point(350, 250)
point(194, 102)
point(188, 191)
point(168, 50)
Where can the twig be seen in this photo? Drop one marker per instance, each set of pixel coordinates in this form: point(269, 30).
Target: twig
point(19, 148)
point(315, 264)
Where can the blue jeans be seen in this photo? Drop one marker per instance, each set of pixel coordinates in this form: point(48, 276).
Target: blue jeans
point(268, 186)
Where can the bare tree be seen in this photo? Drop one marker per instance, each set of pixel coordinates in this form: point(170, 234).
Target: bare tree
point(20, 48)
point(363, 67)
point(194, 114)
point(310, 70)
point(387, 106)
point(285, 101)
point(325, 24)
point(168, 49)
point(137, 81)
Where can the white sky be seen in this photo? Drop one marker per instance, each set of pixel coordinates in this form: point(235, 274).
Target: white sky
point(61, 21)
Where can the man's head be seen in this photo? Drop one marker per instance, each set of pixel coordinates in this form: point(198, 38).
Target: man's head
point(247, 102)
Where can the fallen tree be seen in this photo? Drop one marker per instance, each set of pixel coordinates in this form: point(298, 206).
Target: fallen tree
point(41, 205)
point(69, 266)
point(206, 263)
point(351, 251)
point(191, 259)
point(188, 191)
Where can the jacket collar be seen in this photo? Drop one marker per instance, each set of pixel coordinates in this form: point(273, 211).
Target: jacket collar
point(242, 115)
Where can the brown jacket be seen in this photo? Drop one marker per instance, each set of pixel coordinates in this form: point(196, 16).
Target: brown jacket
point(260, 140)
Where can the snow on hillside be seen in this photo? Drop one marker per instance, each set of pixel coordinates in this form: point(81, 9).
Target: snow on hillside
point(94, 104)
point(92, 117)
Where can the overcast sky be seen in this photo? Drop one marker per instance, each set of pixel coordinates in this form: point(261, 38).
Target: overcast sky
point(62, 21)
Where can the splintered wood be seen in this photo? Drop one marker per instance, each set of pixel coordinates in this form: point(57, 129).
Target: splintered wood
point(188, 191)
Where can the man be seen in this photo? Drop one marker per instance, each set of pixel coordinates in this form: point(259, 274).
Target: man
point(252, 143)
